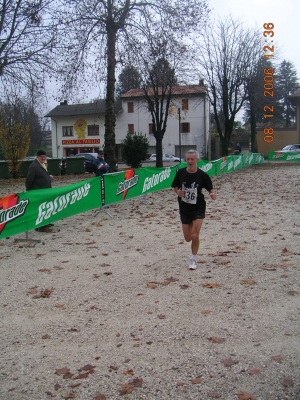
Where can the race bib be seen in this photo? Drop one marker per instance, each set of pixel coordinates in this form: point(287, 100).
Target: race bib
point(190, 196)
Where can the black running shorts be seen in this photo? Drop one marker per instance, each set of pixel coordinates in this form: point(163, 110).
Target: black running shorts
point(188, 218)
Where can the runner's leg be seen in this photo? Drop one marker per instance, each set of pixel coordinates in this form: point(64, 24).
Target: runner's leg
point(187, 232)
point(195, 232)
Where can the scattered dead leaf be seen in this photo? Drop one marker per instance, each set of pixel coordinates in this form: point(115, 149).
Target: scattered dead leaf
point(70, 396)
point(287, 382)
point(126, 389)
point(196, 380)
point(214, 395)
point(277, 359)
point(83, 375)
point(245, 396)
point(151, 286)
point(136, 382)
point(292, 292)
point(254, 371)
point(62, 371)
point(248, 282)
point(205, 312)
point(184, 286)
point(216, 339)
point(210, 285)
point(46, 336)
point(128, 372)
point(161, 316)
point(229, 362)
point(75, 384)
point(100, 396)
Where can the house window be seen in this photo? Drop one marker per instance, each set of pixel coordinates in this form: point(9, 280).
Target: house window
point(130, 106)
point(151, 129)
point(67, 130)
point(93, 130)
point(185, 127)
point(131, 129)
point(185, 104)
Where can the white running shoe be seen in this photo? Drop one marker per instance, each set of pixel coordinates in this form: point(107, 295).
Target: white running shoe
point(193, 264)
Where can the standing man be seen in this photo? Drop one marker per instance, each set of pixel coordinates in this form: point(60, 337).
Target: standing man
point(38, 177)
point(188, 184)
point(101, 165)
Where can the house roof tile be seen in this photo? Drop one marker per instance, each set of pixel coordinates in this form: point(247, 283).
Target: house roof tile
point(97, 107)
point(176, 90)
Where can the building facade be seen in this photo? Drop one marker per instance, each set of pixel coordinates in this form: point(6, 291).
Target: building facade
point(79, 128)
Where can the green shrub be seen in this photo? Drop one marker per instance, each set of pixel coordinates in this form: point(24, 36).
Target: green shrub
point(134, 149)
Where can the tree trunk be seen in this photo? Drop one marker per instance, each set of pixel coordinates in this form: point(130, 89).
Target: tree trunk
point(110, 117)
point(254, 147)
point(159, 149)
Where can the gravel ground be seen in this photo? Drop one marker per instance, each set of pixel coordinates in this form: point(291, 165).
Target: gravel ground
point(106, 307)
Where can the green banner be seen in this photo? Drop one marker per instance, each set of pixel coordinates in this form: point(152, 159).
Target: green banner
point(286, 156)
point(136, 182)
point(21, 212)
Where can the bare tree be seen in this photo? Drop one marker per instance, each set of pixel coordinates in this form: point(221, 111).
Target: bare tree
point(229, 53)
point(27, 39)
point(159, 61)
point(96, 33)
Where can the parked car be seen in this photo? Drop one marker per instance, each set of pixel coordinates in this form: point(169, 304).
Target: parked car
point(166, 157)
point(29, 158)
point(290, 147)
point(89, 162)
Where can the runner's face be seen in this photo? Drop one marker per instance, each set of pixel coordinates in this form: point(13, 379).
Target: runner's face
point(191, 160)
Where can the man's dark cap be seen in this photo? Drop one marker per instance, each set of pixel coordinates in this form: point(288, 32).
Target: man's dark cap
point(100, 152)
point(41, 153)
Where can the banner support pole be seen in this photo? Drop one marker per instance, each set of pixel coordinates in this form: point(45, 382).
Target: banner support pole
point(27, 239)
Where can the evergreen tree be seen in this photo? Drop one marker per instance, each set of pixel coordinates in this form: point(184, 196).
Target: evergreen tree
point(129, 78)
point(286, 80)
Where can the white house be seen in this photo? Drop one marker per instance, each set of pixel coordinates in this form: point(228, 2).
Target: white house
point(80, 128)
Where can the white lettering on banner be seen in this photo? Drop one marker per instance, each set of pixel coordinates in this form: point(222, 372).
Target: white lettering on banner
point(122, 186)
point(223, 164)
point(13, 212)
point(237, 162)
point(156, 178)
point(230, 165)
point(49, 208)
point(293, 157)
point(207, 167)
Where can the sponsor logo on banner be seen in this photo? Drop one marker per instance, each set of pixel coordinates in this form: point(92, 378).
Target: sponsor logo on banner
point(130, 180)
point(230, 165)
point(207, 167)
point(155, 179)
point(10, 209)
point(293, 157)
point(223, 163)
point(49, 208)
